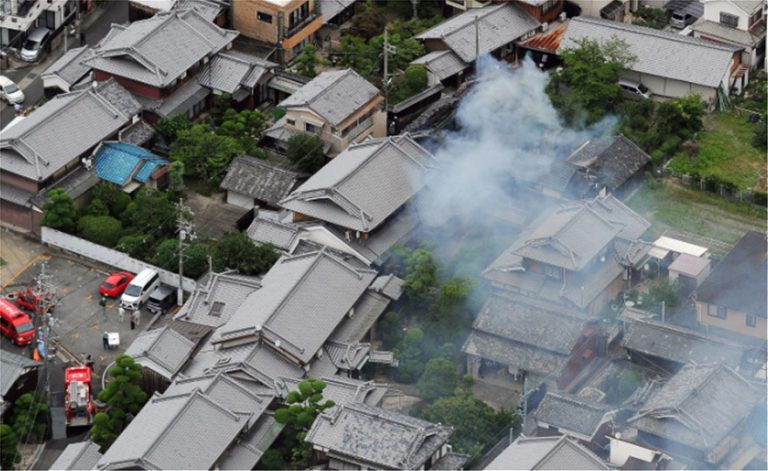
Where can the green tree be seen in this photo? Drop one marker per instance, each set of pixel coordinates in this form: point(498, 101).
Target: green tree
point(410, 354)
point(195, 257)
point(204, 153)
point(30, 416)
point(123, 395)
point(116, 200)
point(9, 450)
point(409, 83)
point(439, 379)
point(221, 103)
point(476, 425)
point(421, 274)
point(135, 245)
point(60, 212)
point(235, 250)
point(170, 127)
point(176, 176)
point(96, 208)
point(102, 230)
point(662, 291)
point(590, 79)
point(307, 61)
point(302, 407)
point(150, 212)
point(306, 152)
point(246, 126)
point(654, 18)
point(390, 329)
point(364, 55)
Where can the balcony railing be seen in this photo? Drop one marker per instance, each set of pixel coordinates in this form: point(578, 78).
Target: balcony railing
point(300, 25)
point(363, 126)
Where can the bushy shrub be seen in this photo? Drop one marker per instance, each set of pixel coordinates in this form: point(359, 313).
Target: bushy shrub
point(102, 230)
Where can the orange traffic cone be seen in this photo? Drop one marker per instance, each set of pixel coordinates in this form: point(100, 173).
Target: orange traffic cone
point(36, 355)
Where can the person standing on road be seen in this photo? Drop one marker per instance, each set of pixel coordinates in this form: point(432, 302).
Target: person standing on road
point(137, 317)
point(17, 108)
point(105, 340)
point(132, 320)
point(121, 314)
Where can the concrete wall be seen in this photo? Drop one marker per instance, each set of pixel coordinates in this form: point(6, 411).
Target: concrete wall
point(109, 256)
point(669, 88)
point(712, 10)
point(239, 199)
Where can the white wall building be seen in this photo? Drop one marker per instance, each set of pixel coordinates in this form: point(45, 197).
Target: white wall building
point(17, 17)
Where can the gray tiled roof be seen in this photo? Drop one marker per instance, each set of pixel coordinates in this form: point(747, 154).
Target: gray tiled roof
point(385, 439)
point(572, 414)
point(734, 35)
point(15, 195)
point(331, 8)
point(158, 50)
point(279, 131)
point(498, 25)
point(227, 288)
point(162, 350)
point(631, 225)
point(367, 310)
point(259, 179)
point(698, 407)
point(570, 237)
point(248, 450)
point(347, 356)
point(181, 100)
point(207, 9)
point(394, 231)
point(314, 291)
point(442, 64)
point(138, 133)
point(343, 390)
point(546, 453)
point(70, 67)
point(64, 128)
point(506, 352)
point(334, 96)
point(13, 365)
point(678, 344)
point(514, 320)
point(365, 184)
point(228, 71)
point(80, 455)
point(267, 231)
point(658, 53)
point(613, 160)
point(186, 428)
point(740, 280)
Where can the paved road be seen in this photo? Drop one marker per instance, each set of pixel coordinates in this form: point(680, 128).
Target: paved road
point(28, 78)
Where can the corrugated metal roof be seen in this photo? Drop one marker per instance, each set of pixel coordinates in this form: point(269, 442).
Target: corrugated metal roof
point(547, 41)
point(13, 366)
point(118, 162)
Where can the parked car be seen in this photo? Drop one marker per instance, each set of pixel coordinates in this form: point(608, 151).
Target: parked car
point(139, 289)
point(9, 91)
point(39, 40)
point(162, 299)
point(632, 89)
point(115, 284)
point(680, 20)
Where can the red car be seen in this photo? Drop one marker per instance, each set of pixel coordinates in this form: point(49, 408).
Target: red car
point(115, 284)
point(30, 301)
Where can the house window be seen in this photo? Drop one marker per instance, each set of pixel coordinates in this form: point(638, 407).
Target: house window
point(751, 320)
point(265, 17)
point(548, 5)
point(716, 311)
point(311, 128)
point(732, 21)
point(216, 309)
point(291, 122)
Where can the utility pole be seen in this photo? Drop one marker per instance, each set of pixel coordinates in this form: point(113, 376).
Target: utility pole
point(477, 39)
point(44, 293)
point(388, 49)
point(184, 228)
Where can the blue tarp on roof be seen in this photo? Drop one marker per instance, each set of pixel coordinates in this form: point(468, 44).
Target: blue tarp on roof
point(118, 162)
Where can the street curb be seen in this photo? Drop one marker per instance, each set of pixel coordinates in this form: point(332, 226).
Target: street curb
point(36, 456)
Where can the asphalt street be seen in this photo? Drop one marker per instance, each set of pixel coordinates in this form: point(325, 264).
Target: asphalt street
point(28, 77)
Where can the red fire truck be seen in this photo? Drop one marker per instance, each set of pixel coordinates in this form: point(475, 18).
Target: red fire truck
point(78, 398)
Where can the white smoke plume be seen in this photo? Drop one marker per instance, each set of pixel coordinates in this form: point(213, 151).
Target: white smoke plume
point(509, 134)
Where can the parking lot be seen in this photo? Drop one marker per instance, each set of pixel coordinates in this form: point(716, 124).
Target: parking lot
point(80, 319)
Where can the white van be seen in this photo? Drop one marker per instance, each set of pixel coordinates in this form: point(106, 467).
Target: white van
point(635, 90)
point(139, 289)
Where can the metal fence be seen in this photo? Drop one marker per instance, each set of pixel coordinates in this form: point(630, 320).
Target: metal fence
point(719, 187)
point(109, 256)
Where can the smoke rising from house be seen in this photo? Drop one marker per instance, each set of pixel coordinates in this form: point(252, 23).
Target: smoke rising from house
point(509, 133)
